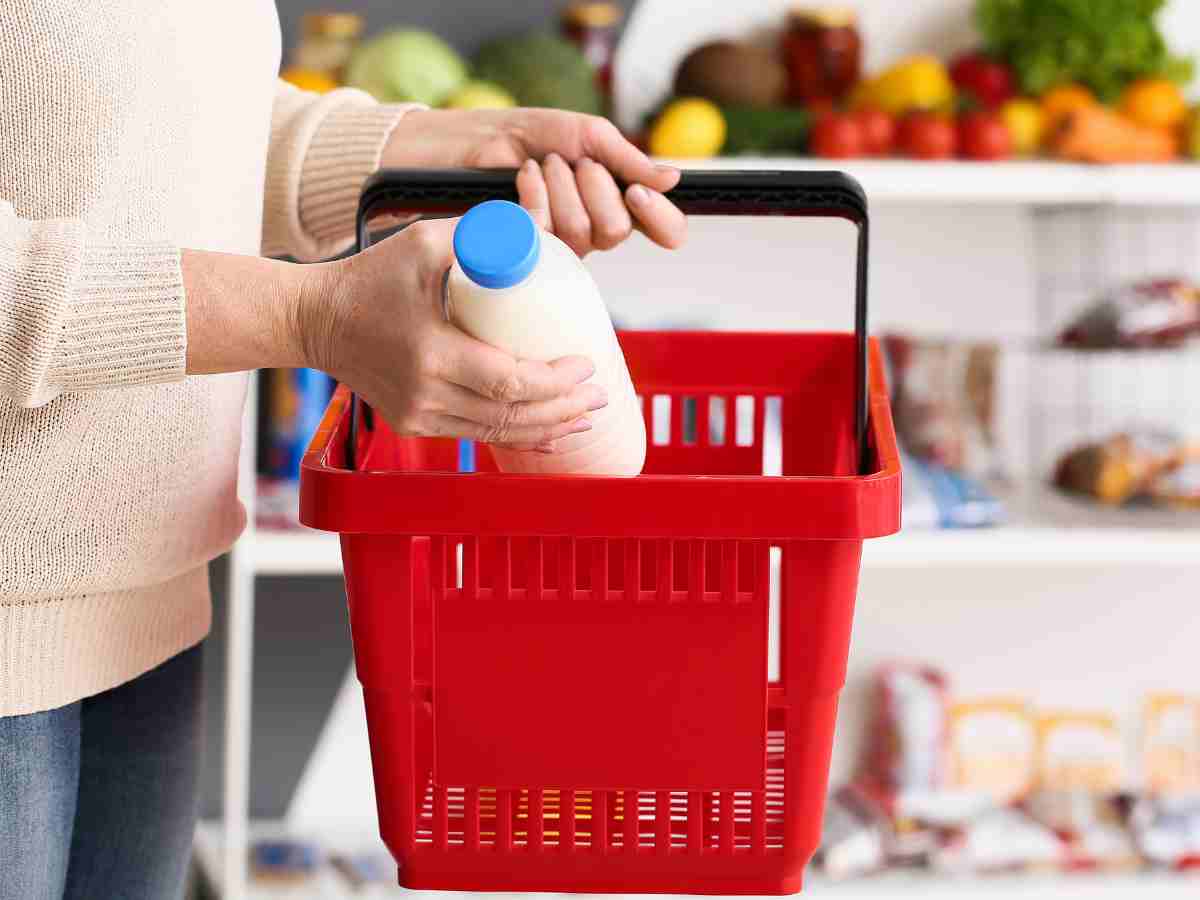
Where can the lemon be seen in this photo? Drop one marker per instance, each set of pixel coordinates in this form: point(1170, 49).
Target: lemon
point(308, 80)
point(480, 95)
point(688, 128)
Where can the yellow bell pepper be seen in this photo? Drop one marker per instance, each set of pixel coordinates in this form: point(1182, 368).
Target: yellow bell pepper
point(918, 82)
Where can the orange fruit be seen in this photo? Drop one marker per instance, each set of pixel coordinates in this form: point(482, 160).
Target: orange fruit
point(308, 80)
point(1154, 103)
point(1063, 100)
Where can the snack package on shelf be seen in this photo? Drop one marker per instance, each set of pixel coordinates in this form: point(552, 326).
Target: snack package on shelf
point(1002, 840)
point(1158, 313)
point(1167, 831)
point(936, 497)
point(292, 404)
point(285, 860)
point(907, 747)
point(944, 402)
point(854, 835)
point(1171, 745)
point(1145, 465)
point(1080, 751)
point(993, 749)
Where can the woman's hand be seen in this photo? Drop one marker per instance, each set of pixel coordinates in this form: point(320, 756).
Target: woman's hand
point(375, 321)
point(571, 192)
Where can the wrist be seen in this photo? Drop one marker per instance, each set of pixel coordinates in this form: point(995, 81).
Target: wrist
point(307, 330)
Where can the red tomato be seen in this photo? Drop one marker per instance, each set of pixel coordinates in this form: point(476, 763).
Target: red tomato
point(837, 136)
point(983, 135)
point(878, 130)
point(988, 81)
point(926, 135)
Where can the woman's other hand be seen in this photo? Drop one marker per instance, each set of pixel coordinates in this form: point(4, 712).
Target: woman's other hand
point(375, 321)
point(569, 167)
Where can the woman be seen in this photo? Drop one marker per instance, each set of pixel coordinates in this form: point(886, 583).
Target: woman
point(148, 155)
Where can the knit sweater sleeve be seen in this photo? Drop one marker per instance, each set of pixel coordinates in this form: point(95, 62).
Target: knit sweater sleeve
point(323, 147)
point(79, 315)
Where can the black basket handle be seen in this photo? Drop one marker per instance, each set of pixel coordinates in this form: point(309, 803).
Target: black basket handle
point(699, 193)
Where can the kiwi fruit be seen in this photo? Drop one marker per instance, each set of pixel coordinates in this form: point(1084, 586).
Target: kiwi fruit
point(733, 74)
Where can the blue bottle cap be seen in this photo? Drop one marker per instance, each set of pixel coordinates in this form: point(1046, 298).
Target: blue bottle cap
point(497, 244)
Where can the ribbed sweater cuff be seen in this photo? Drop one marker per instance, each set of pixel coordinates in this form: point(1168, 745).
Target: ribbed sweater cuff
point(126, 321)
point(345, 150)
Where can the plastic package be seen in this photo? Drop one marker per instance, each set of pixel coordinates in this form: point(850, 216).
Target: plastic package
point(1171, 745)
point(523, 290)
point(994, 748)
point(1161, 313)
point(1134, 465)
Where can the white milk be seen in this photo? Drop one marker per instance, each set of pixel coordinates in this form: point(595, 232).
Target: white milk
point(526, 292)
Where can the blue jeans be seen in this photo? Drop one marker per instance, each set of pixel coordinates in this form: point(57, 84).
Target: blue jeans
point(99, 798)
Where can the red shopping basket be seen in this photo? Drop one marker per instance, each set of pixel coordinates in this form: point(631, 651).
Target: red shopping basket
point(566, 678)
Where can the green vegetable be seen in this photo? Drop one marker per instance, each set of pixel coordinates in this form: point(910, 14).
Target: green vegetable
point(406, 65)
point(1103, 44)
point(765, 130)
point(540, 70)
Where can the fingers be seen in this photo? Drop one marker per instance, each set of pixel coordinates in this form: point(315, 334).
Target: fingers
point(605, 207)
point(495, 375)
point(571, 222)
point(531, 437)
point(603, 142)
point(504, 417)
point(657, 217)
point(531, 188)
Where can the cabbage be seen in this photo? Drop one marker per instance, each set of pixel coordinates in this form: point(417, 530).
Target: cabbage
point(407, 65)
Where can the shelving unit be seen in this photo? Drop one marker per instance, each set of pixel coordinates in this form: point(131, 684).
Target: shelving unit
point(1007, 183)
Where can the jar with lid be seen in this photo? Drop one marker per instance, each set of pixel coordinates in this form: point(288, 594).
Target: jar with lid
point(823, 52)
point(327, 40)
point(592, 26)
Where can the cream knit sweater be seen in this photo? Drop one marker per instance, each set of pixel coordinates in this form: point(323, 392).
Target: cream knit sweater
point(130, 129)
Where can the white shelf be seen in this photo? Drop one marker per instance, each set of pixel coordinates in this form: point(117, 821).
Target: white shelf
point(296, 552)
point(1132, 886)
point(1004, 183)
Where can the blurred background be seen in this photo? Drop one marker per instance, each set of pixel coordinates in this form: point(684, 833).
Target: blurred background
point(1022, 711)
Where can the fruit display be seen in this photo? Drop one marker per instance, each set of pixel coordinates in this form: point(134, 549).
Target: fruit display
point(407, 65)
point(541, 69)
point(1085, 81)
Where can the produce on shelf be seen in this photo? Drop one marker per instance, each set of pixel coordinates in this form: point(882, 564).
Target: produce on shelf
point(838, 136)
point(1191, 135)
point(984, 136)
point(1154, 103)
point(308, 80)
point(1103, 44)
point(1099, 135)
point(916, 83)
point(688, 128)
point(878, 131)
point(407, 65)
point(480, 95)
point(987, 81)
point(927, 135)
point(766, 130)
point(541, 70)
point(327, 40)
point(822, 49)
point(1063, 100)
point(1026, 125)
point(733, 74)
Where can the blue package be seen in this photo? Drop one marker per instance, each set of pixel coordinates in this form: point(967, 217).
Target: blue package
point(296, 402)
point(935, 497)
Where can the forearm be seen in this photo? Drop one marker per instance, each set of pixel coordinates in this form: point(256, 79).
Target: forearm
point(243, 311)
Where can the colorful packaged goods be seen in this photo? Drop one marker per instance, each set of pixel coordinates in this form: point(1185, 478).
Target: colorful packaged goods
point(993, 748)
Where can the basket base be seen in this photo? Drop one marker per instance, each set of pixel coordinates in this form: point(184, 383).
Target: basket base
point(580, 873)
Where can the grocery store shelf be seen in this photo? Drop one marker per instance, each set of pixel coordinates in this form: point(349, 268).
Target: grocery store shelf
point(1011, 183)
point(296, 552)
point(1131, 886)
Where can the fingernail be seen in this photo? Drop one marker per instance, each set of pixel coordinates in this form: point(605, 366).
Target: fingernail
point(638, 194)
point(584, 161)
point(582, 424)
point(547, 447)
point(587, 372)
point(600, 401)
point(552, 157)
point(665, 169)
point(529, 165)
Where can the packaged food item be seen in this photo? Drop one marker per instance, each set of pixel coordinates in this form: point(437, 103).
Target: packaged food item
point(285, 860)
point(944, 402)
point(1171, 745)
point(295, 402)
point(823, 51)
point(907, 737)
point(1132, 465)
point(1167, 830)
point(1159, 313)
point(1080, 751)
point(936, 497)
point(993, 748)
point(509, 287)
point(327, 41)
point(364, 869)
point(1002, 840)
point(592, 26)
point(854, 835)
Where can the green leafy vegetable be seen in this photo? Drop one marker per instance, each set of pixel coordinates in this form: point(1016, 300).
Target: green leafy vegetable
point(1103, 44)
